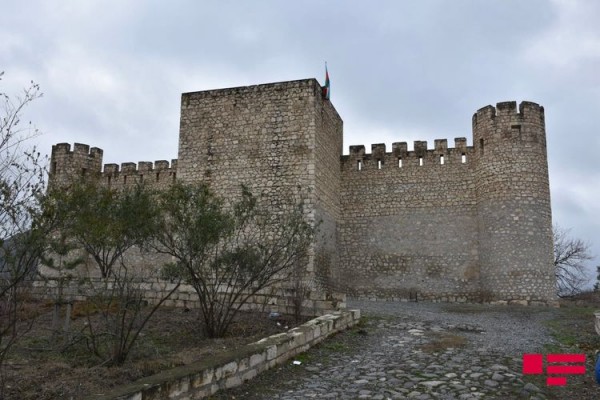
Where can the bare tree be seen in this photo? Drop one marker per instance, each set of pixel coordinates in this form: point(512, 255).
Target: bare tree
point(570, 256)
point(22, 173)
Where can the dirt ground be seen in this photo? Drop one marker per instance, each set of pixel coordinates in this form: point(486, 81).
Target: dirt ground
point(40, 367)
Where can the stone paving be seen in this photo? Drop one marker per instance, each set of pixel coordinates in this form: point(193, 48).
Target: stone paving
point(415, 351)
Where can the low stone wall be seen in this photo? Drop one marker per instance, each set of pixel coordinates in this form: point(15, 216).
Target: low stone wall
point(279, 299)
point(232, 368)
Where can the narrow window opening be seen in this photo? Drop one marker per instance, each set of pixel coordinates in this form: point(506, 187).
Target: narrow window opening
point(141, 178)
point(125, 180)
point(420, 161)
point(83, 171)
point(359, 165)
point(109, 179)
point(399, 163)
point(442, 159)
point(157, 176)
point(378, 164)
point(174, 176)
point(481, 146)
point(464, 158)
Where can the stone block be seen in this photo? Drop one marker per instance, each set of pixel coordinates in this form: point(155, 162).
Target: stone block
point(233, 381)
point(203, 378)
point(257, 358)
point(249, 374)
point(271, 352)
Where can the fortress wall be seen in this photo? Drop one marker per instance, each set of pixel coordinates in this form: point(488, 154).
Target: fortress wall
point(328, 147)
point(443, 223)
point(411, 230)
point(157, 175)
point(84, 162)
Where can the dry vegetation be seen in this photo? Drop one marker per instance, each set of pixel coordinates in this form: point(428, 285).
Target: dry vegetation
point(42, 367)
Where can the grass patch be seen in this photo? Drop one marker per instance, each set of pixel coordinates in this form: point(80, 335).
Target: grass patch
point(302, 357)
point(335, 346)
point(442, 342)
point(573, 329)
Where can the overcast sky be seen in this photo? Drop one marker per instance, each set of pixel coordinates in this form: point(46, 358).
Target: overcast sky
point(112, 72)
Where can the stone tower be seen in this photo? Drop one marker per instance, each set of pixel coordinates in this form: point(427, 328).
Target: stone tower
point(281, 140)
point(513, 202)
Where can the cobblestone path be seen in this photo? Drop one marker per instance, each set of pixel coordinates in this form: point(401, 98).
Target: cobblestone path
point(416, 351)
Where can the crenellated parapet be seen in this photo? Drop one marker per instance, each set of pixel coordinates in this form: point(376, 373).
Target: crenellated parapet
point(421, 155)
point(505, 123)
point(159, 174)
point(67, 165)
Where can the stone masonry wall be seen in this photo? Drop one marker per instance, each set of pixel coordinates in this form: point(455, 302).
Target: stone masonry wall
point(513, 202)
point(264, 137)
point(409, 222)
point(465, 223)
point(328, 147)
point(267, 300)
point(82, 162)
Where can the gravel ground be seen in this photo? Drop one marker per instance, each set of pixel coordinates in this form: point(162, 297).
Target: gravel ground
point(423, 351)
point(511, 330)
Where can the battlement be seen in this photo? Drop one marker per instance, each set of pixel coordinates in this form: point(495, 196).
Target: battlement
point(78, 149)
point(67, 164)
point(527, 111)
point(401, 156)
point(157, 174)
point(141, 168)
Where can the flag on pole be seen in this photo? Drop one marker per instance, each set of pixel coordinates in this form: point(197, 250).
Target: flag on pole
point(327, 87)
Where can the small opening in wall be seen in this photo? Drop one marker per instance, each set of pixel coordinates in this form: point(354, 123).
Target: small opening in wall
point(463, 158)
point(174, 176)
point(83, 171)
point(141, 178)
point(442, 159)
point(109, 179)
point(378, 164)
point(359, 165)
point(157, 176)
point(399, 163)
point(481, 146)
point(125, 180)
point(420, 161)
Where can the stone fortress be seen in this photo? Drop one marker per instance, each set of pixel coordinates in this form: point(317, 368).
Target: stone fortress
point(462, 223)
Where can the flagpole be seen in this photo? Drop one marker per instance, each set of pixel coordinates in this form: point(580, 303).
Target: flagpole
point(327, 88)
